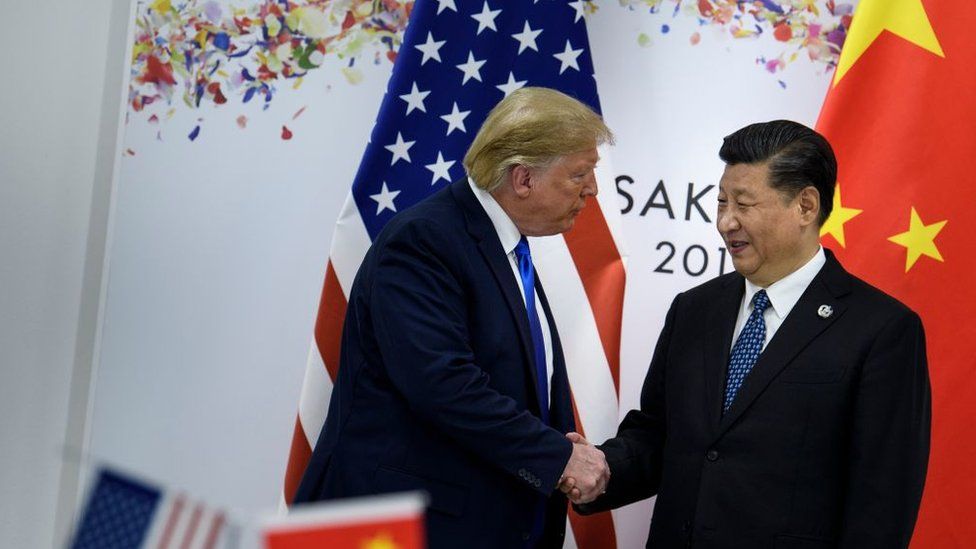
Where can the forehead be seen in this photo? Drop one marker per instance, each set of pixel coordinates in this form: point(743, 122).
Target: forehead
point(587, 156)
point(745, 179)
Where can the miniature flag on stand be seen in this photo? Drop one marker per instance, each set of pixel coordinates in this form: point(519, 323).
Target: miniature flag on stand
point(382, 522)
point(124, 513)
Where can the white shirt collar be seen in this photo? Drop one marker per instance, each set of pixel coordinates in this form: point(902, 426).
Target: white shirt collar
point(508, 233)
point(785, 292)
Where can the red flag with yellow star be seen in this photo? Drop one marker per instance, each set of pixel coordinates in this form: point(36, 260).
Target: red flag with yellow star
point(377, 522)
point(901, 116)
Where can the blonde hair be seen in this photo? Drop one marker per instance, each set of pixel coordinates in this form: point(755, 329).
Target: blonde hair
point(531, 127)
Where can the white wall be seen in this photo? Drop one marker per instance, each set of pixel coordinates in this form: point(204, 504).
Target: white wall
point(216, 260)
point(56, 148)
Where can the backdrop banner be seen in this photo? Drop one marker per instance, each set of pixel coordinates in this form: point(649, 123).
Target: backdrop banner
point(245, 126)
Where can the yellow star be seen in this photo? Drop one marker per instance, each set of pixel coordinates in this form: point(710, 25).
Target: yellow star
point(904, 18)
point(919, 240)
point(381, 541)
point(839, 215)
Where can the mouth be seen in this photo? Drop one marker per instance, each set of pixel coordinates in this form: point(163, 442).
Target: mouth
point(736, 247)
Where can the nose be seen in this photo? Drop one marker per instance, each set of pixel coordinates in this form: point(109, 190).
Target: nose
point(726, 221)
point(590, 188)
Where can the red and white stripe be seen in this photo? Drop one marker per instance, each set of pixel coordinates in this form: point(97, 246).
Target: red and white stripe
point(584, 276)
point(180, 523)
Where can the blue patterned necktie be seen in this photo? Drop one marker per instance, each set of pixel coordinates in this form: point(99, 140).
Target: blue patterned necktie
point(746, 350)
point(527, 271)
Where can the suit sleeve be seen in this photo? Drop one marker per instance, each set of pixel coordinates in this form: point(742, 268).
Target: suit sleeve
point(890, 439)
point(634, 455)
point(420, 318)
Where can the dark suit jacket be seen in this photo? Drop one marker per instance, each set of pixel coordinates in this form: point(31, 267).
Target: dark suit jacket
point(435, 388)
point(826, 444)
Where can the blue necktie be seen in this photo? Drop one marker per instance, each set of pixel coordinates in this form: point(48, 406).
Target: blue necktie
point(746, 350)
point(527, 272)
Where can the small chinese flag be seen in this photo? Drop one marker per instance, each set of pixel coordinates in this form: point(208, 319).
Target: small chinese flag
point(901, 116)
point(381, 522)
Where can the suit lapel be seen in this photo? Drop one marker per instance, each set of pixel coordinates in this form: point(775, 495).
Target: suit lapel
point(718, 340)
point(480, 227)
point(800, 327)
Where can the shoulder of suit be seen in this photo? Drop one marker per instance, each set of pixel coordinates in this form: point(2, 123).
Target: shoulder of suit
point(438, 217)
point(863, 294)
point(716, 286)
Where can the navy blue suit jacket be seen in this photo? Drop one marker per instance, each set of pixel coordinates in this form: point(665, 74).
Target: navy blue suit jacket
point(435, 388)
point(825, 446)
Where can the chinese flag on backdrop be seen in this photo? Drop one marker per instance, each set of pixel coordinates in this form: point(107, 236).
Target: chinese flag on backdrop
point(901, 116)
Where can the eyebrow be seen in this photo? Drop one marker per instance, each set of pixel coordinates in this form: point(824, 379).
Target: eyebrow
point(739, 192)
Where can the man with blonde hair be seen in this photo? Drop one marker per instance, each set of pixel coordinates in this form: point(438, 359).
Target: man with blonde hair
point(451, 377)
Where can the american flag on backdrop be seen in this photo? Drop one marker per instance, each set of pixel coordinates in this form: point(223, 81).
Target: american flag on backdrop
point(125, 513)
point(458, 59)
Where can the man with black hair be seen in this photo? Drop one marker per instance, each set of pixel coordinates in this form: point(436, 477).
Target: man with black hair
point(787, 404)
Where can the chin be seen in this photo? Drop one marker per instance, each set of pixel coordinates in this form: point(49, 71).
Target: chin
point(742, 267)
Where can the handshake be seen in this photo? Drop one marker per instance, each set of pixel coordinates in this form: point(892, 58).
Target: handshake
point(587, 473)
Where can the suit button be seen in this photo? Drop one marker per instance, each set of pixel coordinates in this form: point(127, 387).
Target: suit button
point(537, 483)
point(711, 455)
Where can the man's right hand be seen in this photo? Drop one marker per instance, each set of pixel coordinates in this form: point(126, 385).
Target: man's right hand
point(586, 474)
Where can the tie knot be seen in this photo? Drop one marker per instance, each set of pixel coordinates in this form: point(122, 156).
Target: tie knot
point(522, 248)
point(760, 301)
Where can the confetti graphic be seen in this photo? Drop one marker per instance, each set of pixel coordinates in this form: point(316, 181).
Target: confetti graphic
point(212, 52)
point(813, 28)
point(189, 54)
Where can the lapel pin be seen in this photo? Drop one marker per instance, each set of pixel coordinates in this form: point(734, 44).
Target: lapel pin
point(825, 311)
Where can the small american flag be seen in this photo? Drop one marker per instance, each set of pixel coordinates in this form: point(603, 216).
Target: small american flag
point(458, 59)
point(124, 513)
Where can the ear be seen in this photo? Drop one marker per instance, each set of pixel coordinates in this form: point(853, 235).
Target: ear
point(521, 180)
point(808, 200)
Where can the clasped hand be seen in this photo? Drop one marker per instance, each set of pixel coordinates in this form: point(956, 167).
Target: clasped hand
point(586, 474)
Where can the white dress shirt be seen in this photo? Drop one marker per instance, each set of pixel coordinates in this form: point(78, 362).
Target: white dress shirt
point(783, 295)
point(509, 236)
